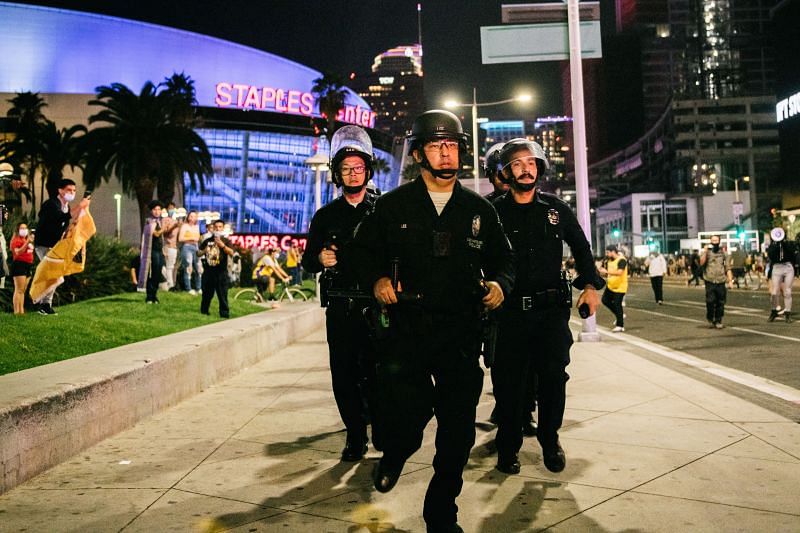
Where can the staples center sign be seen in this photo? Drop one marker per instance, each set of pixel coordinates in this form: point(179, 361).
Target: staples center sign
point(290, 101)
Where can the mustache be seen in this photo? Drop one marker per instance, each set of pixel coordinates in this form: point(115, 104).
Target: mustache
point(525, 175)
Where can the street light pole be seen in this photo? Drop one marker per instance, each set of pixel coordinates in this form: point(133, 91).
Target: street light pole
point(589, 330)
point(475, 136)
point(118, 200)
point(475, 158)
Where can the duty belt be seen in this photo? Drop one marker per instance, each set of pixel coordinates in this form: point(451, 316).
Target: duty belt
point(537, 300)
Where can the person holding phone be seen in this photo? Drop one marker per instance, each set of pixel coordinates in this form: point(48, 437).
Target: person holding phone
point(55, 216)
point(716, 274)
point(22, 261)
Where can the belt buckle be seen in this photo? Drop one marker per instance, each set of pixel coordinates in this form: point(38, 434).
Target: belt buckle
point(527, 303)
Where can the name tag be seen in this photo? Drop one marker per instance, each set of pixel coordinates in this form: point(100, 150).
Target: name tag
point(475, 243)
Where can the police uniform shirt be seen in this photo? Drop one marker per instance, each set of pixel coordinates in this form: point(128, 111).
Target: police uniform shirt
point(439, 255)
point(536, 231)
point(337, 219)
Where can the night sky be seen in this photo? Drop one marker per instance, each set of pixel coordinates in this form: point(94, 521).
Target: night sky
point(342, 36)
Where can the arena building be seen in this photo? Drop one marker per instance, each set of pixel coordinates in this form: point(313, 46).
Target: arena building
point(256, 110)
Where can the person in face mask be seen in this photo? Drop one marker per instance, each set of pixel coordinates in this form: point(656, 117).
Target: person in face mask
point(215, 251)
point(716, 274)
point(22, 260)
point(54, 218)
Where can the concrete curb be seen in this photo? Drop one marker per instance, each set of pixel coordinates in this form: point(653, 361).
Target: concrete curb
point(50, 413)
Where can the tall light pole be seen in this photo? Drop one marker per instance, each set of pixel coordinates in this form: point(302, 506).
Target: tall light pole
point(319, 163)
point(118, 201)
point(474, 106)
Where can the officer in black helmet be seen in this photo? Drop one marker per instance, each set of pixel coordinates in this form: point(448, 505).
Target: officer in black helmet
point(534, 333)
point(491, 169)
point(329, 242)
point(437, 236)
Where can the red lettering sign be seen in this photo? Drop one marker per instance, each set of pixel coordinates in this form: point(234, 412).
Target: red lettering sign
point(263, 241)
point(284, 101)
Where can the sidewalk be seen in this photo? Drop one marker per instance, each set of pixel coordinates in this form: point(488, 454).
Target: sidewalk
point(648, 449)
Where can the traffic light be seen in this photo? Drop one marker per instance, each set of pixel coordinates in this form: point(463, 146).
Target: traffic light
point(615, 232)
point(741, 233)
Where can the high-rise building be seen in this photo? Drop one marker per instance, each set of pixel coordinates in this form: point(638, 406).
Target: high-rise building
point(393, 88)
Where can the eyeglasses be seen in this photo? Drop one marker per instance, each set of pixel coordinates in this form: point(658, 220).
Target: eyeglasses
point(438, 146)
point(522, 163)
point(358, 170)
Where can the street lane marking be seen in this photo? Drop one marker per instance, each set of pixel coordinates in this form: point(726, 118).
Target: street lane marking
point(758, 383)
point(737, 328)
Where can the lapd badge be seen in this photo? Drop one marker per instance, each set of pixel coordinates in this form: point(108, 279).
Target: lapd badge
point(476, 225)
point(552, 217)
point(475, 243)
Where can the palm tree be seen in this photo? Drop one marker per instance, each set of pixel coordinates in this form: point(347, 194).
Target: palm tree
point(330, 93)
point(59, 148)
point(23, 151)
point(146, 143)
point(410, 172)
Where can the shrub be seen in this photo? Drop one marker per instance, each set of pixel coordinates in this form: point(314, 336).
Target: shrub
point(107, 271)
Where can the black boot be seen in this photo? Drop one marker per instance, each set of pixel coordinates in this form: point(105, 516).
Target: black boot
point(773, 315)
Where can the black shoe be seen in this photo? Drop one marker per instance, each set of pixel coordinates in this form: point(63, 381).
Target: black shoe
point(385, 478)
point(508, 465)
point(772, 315)
point(42, 309)
point(554, 458)
point(788, 316)
point(46, 309)
point(529, 428)
point(354, 450)
point(449, 528)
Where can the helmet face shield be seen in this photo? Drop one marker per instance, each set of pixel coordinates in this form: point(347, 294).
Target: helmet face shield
point(519, 157)
point(350, 140)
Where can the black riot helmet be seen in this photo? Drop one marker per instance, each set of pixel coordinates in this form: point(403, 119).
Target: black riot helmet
point(491, 165)
point(433, 125)
point(350, 140)
point(516, 149)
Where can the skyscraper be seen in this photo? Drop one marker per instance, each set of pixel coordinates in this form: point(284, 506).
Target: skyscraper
point(393, 88)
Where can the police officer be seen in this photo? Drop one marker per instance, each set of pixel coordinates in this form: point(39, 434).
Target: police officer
point(534, 334)
point(329, 239)
point(437, 236)
point(491, 170)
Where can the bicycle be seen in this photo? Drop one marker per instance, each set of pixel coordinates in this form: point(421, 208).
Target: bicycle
point(285, 292)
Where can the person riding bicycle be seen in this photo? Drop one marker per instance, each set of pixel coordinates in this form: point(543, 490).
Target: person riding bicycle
point(266, 271)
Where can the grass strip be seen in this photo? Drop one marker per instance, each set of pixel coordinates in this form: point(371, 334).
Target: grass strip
point(31, 340)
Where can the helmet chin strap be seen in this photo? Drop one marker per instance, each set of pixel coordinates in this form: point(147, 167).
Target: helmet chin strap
point(442, 173)
point(354, 189)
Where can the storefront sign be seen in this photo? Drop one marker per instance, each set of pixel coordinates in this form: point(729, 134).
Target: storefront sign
point(788, 107)
point(291, 101)
point(263, 241)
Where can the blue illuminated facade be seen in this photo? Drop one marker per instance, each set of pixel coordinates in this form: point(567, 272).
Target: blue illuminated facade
point(259, 149)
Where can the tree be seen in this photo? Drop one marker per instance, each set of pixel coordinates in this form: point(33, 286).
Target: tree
point(147, 142)
point(23, 151)
point(330, 93)
point(59, 148)
point(410, 172)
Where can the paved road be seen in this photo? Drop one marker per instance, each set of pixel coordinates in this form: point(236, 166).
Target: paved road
point(748, 343)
